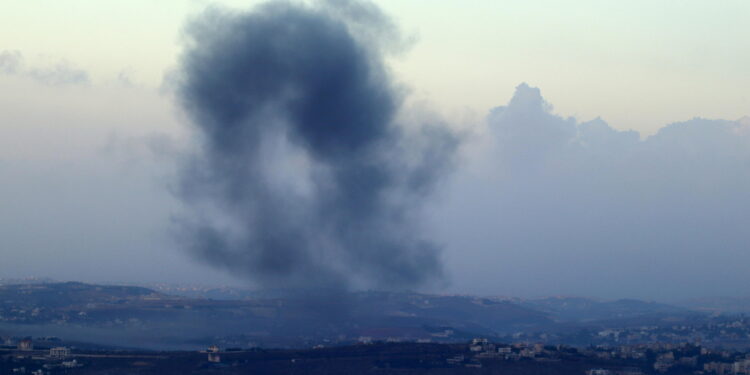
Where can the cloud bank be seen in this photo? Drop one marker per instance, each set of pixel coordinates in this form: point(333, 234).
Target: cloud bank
point(301, 176)
point(548, 205)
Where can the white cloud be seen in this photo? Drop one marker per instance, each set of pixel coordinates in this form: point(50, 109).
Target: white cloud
point(58, 74)
point(551, 205)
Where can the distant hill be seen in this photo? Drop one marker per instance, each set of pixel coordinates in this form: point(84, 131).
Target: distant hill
point(26, 281)
point(144, 315)
point(577, 309)
point(139, 316)
point(55, 295)
point(731, 305)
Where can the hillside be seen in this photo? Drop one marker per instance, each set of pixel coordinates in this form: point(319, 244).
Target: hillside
point(139, 316)
point(577, 309)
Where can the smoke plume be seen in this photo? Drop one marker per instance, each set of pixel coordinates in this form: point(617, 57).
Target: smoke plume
point(301, 176)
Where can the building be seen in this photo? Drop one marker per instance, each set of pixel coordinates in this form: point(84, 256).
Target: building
point(718, 368)
point(630, 371)
point(364, 340)
point(663, 365)
point(214, 357)
point(479, 341)
point(688, 361)
point(71, 364)
point(59, 352)
point(741, 367)
point(455, 360)
point(527, 353)
point(213, 354)
point(664, 362)
point(26, 344)
point(478, 344)
point(481, 345)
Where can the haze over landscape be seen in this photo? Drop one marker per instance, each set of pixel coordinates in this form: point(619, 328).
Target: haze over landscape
point(374, 187)
point(605, 154)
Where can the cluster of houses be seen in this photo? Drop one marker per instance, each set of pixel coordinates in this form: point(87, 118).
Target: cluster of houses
point(654, 358)
point(710, 331)
point(57, 357)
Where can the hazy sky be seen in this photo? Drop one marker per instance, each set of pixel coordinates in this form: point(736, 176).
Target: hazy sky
point(89, 131)
point(639, 64)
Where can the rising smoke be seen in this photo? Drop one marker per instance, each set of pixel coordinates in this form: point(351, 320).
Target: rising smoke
point(301, 177)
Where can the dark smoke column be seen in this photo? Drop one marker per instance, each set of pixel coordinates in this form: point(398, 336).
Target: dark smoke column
point(300, 178)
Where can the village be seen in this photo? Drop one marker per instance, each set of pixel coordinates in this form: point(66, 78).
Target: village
point(45, 356)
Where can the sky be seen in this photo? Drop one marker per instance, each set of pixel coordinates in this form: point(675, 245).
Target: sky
point(592, 178)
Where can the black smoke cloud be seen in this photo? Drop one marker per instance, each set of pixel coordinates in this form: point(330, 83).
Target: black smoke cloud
point(302, 177)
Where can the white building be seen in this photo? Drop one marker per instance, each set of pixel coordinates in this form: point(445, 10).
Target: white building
point(59, 352)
